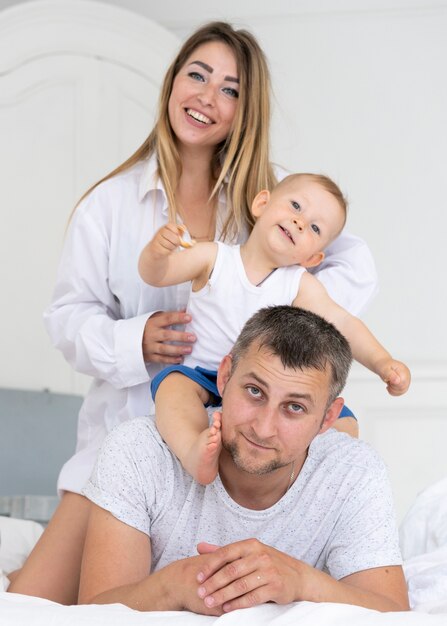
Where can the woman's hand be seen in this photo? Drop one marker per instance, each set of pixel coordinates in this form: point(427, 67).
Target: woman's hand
point(158, 334)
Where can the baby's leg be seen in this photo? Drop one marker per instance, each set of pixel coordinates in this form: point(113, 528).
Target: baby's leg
point(347, 425)
point(182, 421)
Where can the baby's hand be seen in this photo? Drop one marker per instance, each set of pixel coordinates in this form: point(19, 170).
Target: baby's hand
point(182, 242)
point(397, 377)
point(168, 239)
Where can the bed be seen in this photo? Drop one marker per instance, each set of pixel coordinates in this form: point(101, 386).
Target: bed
point(423, 535)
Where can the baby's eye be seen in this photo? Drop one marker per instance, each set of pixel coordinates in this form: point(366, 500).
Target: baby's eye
point(316, 229)
point(295, 205)
point(196, 76)
point(231, 92)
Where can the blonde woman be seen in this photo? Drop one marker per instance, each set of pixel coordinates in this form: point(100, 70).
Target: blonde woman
point(202, 165)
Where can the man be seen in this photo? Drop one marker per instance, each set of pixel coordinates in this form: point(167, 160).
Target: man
point(297, 516)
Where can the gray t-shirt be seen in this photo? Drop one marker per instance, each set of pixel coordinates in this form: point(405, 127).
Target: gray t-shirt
point(337, 516)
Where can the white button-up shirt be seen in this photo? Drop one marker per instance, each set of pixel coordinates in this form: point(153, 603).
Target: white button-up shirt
point(100, 304)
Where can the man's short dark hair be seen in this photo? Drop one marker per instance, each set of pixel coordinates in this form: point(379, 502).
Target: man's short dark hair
point(301, 340)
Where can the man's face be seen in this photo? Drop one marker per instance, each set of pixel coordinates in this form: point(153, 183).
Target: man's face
point(270, 413)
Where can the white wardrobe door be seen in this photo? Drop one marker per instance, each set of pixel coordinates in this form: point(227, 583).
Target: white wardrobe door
point(66, 119)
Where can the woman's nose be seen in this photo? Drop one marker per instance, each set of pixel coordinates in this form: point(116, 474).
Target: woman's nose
point(206, 95)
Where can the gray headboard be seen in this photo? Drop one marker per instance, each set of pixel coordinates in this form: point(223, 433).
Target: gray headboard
point(37, 435)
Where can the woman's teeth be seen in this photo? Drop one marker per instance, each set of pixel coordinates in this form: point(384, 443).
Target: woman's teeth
point(198, 116)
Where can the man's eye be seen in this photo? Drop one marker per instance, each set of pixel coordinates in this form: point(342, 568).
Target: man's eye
point(255, 392)
point(295, 408)
point(231, 92)
point(296, 205)
point(196, 76)
point(316, 229)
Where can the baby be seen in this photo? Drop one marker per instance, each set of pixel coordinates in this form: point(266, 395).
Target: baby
point(294, 224)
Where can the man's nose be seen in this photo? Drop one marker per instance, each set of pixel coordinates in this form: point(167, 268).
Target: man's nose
point(265, 424)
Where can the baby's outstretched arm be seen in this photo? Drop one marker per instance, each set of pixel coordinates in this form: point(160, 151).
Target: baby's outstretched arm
point(365, 347)
point(162, 264)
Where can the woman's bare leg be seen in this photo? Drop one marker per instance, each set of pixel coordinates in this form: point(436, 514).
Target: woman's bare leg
point(53, 567)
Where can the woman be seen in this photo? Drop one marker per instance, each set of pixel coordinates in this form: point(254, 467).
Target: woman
point(203, 163)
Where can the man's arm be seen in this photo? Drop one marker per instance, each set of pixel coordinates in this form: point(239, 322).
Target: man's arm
point(248, 573)
point(162, 264)
point(115, 567)
point(117, 559)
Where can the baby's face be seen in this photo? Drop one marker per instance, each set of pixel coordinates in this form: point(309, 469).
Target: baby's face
point(300, 219)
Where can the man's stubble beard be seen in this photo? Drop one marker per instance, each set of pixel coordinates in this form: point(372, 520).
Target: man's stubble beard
point(251, 468)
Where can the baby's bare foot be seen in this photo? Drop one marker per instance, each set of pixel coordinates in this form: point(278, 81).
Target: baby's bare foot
point(202, 461)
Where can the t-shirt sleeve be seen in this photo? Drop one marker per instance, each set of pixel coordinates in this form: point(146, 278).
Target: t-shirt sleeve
point(130, 465)
point(365, 535)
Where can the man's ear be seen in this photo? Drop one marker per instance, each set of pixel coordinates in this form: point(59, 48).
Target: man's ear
point(314, 260)
point(331, 415)
point(260, 202)
point(224, 373)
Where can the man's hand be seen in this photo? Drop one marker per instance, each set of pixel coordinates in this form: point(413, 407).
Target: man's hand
point(248, 573)
point(245, 574)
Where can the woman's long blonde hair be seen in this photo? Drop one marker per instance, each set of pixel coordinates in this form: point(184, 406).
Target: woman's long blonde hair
point(243, 158)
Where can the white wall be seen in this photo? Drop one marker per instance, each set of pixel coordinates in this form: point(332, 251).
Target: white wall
point(361, 94)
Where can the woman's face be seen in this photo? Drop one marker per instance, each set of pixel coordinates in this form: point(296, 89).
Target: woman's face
point(204, 96)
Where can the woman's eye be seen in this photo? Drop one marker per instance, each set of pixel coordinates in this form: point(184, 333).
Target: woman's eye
point(316, 229)
point(296, 205)
point(231, 92)
point(196, 76)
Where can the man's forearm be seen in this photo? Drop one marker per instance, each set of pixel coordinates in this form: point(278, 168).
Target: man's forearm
point(360, 589)
point(173, 588)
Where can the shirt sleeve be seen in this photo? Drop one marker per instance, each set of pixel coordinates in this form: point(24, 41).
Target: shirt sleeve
point(349, 274)
point(84, 319)
point(365, 535)
point(133, 476)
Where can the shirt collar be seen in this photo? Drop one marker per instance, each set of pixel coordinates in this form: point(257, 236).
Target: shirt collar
point(149, 180)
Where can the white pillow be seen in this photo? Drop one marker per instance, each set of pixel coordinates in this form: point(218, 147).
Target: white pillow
point(424, 528)
point(17, 539)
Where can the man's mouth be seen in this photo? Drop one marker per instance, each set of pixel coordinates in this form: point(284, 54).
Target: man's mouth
point(287, 233)
point(257, 444)
point(199, 117)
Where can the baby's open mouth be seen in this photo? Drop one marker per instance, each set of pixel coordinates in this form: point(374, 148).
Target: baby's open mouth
point(287, 233)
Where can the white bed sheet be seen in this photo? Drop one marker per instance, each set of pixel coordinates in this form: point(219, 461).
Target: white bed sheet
point(16, 610)
point(424, 546)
